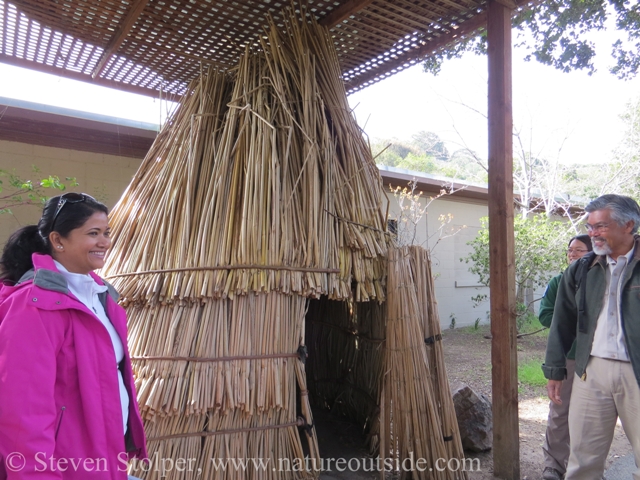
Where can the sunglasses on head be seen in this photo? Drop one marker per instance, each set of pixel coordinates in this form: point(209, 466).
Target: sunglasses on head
point(70, 197)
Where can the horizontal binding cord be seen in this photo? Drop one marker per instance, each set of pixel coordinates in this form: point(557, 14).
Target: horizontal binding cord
point(230, 267)
point(300, 422)
point(448, 439)
point(433, 339)
point(354, 223)
point(218, 359)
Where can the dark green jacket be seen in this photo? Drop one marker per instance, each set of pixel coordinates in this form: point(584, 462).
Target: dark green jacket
point(565, 328)
point(545, 314)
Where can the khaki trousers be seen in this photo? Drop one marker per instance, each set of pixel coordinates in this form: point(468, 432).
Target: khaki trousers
point(556, 441)
point(609, 391)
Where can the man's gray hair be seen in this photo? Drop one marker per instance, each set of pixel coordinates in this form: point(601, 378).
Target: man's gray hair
point(622, 209)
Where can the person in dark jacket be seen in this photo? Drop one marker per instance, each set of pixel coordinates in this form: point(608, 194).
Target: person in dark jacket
point(556, 442)
point(598, 307)
point(68, 408)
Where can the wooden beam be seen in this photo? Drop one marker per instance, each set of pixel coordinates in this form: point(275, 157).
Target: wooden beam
point(504, 359)
point(344, 11)
point(61, 72)
point(508, 3)
point(119, 36)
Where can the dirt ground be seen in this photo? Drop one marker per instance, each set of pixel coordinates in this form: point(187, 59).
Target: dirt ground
point(468, 359)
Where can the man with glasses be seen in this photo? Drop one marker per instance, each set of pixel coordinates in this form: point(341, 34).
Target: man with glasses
point(556, 442)
point(598, 306)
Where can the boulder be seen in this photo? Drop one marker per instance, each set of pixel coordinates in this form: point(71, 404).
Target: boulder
point(475, 418)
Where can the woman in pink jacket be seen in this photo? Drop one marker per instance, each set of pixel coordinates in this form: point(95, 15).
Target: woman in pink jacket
point(68, 406)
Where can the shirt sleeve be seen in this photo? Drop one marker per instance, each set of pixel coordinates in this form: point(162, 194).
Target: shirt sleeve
point(545, 314)
point(563, 326)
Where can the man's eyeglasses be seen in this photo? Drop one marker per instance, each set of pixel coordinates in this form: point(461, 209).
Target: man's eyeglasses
point(598, 227)
point(576, 250)
point(70, 197)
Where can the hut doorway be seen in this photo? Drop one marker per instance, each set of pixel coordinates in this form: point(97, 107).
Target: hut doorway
point(344, 372)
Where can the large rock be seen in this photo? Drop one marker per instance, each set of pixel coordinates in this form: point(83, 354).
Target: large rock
point(475, 419)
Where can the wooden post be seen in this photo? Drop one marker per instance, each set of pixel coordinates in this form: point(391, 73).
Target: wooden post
point(506, 448)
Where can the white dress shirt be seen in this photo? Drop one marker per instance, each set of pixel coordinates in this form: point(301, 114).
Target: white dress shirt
point(85, 288)
point(608, 340)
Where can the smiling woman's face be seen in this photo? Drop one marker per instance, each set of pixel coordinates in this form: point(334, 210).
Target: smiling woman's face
point(84, 249)
point(577, 249)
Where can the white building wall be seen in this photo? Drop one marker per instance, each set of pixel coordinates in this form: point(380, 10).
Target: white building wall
point(454, 284)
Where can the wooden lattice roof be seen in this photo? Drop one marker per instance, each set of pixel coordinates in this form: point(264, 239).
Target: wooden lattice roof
point(151, 45)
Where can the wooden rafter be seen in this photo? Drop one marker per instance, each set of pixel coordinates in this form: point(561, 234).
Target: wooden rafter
point(61, 72)
point(368, 35)
point(344, 11)
point(119, 36)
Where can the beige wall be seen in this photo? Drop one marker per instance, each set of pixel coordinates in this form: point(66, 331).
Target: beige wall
point(103, 176)
point(455, 285)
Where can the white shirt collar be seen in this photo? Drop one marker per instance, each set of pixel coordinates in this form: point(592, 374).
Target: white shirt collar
point(80, 282)
point(628, 256)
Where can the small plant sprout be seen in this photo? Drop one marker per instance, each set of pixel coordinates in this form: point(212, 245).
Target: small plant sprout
point(16, 191)
point(413, 207)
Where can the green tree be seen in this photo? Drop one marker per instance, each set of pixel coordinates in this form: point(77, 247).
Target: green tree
point(16, 191)
point(553, 32)
point(469, 166)
point(430, 144)
point(619, 175)
point(391, 152)
point(539, 251)
point(418, 163)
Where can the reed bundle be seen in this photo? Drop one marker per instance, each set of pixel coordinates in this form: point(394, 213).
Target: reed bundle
point(259, 194)
point(415, 415)
point(425, 290)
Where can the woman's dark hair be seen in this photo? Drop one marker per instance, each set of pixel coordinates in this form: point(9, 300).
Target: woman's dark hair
point(61, 214)
point(586, 239)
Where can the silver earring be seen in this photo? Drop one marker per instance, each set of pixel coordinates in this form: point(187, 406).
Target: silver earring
point(59, 246)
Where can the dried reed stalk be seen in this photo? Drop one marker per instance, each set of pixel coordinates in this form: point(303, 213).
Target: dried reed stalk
point(181, 400)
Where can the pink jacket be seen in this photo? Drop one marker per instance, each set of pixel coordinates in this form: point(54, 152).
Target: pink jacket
point(60, 413)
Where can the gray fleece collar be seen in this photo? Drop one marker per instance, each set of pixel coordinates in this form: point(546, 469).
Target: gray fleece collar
point(55, 281)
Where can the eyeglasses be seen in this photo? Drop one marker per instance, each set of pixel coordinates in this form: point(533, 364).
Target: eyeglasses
point(598, 227)
point(576, 250)
point(70, 197)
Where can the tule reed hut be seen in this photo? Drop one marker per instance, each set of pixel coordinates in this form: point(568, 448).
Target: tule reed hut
point(252, 256)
